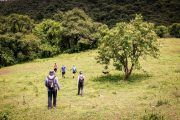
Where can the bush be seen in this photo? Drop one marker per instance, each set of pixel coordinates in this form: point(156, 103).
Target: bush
point(161, 30)
point(153, 116)
point(162, 102)
point(4, 116)
point(49, 32)
point(84, 44)
point(18, 48)
point(174, 30)
point(47, 50)
point(30, 47)
point(6, 57)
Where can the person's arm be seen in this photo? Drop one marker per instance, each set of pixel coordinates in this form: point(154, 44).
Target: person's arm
point(78, 80)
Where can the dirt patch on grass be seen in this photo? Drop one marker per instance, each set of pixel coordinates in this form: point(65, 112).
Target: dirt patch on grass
point(5, 71)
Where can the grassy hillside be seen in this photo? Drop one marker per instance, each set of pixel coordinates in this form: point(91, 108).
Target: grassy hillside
point(106, 11)
point(155, 90)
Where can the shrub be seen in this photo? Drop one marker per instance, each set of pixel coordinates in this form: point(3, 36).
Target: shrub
point(153, 116)
point(4, 116)
point(49, 32)
point(47, 50)
point(6, 57)
point(174, 30)
point(18, 48)
point(162, 102)
point(161, 30)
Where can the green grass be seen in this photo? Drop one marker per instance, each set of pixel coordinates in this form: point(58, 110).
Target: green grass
point(24, 96)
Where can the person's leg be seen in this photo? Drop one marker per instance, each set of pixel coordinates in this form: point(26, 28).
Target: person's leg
point(78, 89)
point(82, 86)
point(54, 98)
point(49, 99)
point(73, 75)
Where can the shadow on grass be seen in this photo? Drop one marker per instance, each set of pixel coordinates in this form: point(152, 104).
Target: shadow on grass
point(119, 77)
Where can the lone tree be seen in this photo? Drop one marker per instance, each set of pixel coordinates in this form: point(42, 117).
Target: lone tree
point(125, 43)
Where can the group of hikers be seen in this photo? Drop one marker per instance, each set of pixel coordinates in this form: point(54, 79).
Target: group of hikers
point(52, 83)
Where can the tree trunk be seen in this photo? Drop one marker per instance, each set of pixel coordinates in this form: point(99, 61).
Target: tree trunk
point(126, 77)
point(128, 72)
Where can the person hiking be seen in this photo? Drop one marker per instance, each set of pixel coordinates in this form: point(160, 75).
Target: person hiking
point(63, 70)
point(80, 83)
point(55, 67)
point(52, 84)
point(74, 70)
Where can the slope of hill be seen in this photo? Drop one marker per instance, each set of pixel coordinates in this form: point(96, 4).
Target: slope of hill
point(156, 91)
point(106, 11)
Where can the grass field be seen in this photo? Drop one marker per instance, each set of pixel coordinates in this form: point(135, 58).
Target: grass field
point(153, 91)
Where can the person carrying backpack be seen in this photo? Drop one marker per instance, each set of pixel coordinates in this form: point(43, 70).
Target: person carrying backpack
point(80, 83)
point(74, 70)
point(63, 70)
point(52, 84)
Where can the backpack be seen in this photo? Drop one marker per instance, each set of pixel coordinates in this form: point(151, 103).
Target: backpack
point(51, 83)
point(81, 79)
point(74, 69)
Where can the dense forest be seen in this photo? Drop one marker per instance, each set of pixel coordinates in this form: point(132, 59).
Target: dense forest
point(160, 12)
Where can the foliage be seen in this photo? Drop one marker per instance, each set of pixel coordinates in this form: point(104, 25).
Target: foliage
point(70, 31)
point(175, 30)
point(3, 27)
point(17, 47)
point(126, 43)
point(106, 11)
point(153, 116)
point(78, 32)
point(15, 23)
point(162, 102)
point(4, 116)
point(49, 32)
point(161, 30)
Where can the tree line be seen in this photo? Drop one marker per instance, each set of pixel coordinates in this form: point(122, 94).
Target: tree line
point(24, 39)
point(109, 12)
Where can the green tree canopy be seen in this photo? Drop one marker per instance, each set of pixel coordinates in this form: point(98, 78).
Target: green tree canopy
point(161, 30)
point(79, 29)
point(174, 30)
point(19, 23)
point(49, 32)
point(126, 43)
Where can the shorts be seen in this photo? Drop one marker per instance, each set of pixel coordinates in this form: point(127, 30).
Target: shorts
point(55, 69)
point(74, 72)
point(63, 73)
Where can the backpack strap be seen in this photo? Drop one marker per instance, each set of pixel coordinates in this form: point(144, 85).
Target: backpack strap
point(52, 78)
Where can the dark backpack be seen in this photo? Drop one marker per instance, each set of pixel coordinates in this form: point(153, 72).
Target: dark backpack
point(51, 83)
point(81, 79)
